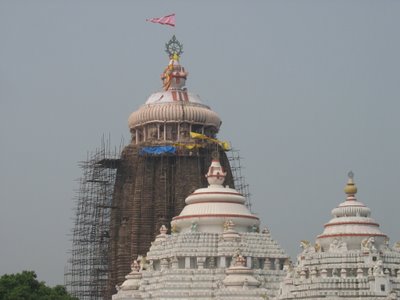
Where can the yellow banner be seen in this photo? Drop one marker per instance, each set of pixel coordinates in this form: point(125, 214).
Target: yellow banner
point(224, 145)
point(195, 135)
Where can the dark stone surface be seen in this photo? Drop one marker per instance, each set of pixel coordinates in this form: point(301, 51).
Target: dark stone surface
point(149, 191)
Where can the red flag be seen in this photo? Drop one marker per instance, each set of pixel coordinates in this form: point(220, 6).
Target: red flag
point(167, 20)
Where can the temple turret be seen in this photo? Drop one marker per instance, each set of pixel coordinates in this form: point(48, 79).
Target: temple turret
point(168, 116)
point(351, 223)
point(209, 208)
point(214, 251)
point(351, 259)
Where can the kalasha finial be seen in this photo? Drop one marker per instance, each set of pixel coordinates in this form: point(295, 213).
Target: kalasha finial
point(173, 48)
point(350, 189)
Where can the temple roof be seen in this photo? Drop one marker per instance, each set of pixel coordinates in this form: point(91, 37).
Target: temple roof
point(351, 222)
point(351, 259)
point(211, 207)
point(214, 251)
point(174, 103)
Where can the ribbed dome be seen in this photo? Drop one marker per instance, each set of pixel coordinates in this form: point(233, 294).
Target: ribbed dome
point(351, 223)
point(174, 103)
point(351, 209)
point(174, 111)
point(210, 208)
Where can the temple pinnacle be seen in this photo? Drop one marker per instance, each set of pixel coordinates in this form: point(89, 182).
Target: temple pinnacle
point(350, 188)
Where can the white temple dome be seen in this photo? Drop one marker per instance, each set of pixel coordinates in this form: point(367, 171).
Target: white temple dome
point(351, 223)
point(210, 208)
point(174, 103)
point(214, 251)
point(167, 97)
point(351, 259)
point(173, 111)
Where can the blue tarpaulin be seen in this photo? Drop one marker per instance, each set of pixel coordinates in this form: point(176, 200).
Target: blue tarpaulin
point(157, 150)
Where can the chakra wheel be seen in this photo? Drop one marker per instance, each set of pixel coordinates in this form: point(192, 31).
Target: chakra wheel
point(173, 47)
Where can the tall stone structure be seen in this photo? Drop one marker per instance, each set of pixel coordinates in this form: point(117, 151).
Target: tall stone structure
point(172, 144)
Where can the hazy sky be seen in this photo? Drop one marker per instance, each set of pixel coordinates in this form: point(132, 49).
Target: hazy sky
point(307, 90)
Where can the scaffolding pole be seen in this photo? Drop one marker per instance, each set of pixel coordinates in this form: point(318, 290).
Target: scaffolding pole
point(240, 183)
point(86, 273)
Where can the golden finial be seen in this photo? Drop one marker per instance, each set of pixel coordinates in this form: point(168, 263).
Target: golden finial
point(350, 188)
point(175, 57)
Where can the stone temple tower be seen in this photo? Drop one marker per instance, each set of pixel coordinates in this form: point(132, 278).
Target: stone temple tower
point(173, 140)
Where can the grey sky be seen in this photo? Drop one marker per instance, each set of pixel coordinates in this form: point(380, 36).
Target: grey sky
point(307, 90)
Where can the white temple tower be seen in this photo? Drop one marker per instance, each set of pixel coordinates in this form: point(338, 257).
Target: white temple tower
point(351, 259)
point(215, 251)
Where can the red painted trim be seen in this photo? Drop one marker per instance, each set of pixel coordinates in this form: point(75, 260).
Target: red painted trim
point(185, 96)
point(174, 95)
point(181, 96)
point(215, 216)
point(217, 193)
point(349, 234)
point(351, 223)
point(216, 201)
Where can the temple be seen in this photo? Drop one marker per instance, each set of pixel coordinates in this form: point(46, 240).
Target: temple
point(172, 138)
point(164, 220)
point(351, 259)
point(125, 198)
point(214, 251)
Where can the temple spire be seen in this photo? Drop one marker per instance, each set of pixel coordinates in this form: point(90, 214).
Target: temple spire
point(350, 189)
point(174, 75)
